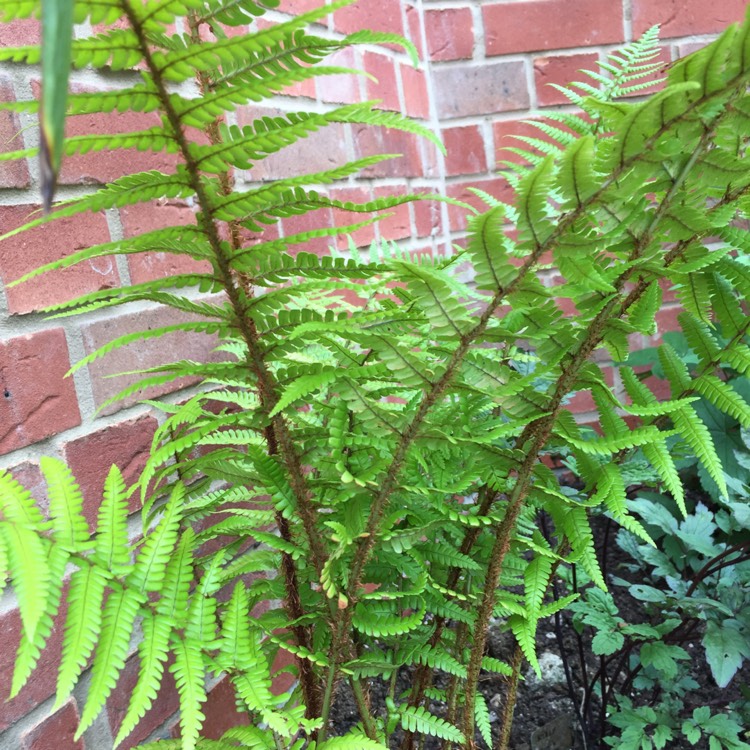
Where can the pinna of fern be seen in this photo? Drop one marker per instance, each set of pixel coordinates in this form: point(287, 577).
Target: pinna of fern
point(397, 446)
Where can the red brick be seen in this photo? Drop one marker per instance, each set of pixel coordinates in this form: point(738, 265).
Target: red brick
point(397, 226)
point(141, 354)
point(363, 236)
point(687, 48)
point(166, 703)
point(465, 89)
point(562, 70)
point(42, 683)
point(580, 402)
point(282, 678)
point(55, 732)
point(496, 187)
point(416, 98)
point(465, 147)
point(343, 88)
point(370, 141)
point(537, 25)
point(385, 88)
point(20, 32)
point(427, 218)
point(37, 399)
point(13, 174)
point(28, 250)
point(126, 444)
point(666, 321)
point(297, 7)
point(304, 88)
point(684, 17)
point(664, 58)
point(146, 217)
point(320, 219)
point(414, 26)
point(104, 166)
point(506, 135)
point(30, 476)
point(320, 150)
point(220, 711)
point(450, 34)
point(376, 15)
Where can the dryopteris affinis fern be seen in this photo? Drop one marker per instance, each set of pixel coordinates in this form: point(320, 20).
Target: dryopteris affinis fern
point(378, 469)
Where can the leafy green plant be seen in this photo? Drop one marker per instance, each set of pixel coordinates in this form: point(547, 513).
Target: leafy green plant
point(373, 475)
point(728, 430)
point(693, 587)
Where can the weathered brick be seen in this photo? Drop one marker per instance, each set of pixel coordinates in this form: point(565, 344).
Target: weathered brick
point(20, 32)
point(416, 98)
point(320, 150)
point(427, 218)
point(166, 703)
point(42, 683)
point(536, 25)
point(107, 165)
point(465, 147)
point(580, 402)
point(385, 88)
point(561, 70)
point(397, 226)
point(370, 141)
point(56, 732)
point(297, 7)
point(28, 250)
point(220, 711)
point(506, 135)
point(146, 217)
point(414, 27)
point(666, 320)
point(141, 354)
point(359, 194)
point(377, 15)
point(341, 88)
point(319, 219)
point(457, 216)
point(304, 88)
point(90, 457)
point(13, 174)
point(687, 48)
point(684, 17)
point(30, 476)
point(450, 33)
point(467, 89)
point(37, 399)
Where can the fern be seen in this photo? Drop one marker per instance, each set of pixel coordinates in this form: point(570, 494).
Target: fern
point(358, 485)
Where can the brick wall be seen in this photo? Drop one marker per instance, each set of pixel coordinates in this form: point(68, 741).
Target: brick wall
point(487, 65)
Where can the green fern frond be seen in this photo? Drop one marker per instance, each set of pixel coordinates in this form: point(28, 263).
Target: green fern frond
point(418, 719)
point(153, 653)
point(189, 672)
point(118, 620)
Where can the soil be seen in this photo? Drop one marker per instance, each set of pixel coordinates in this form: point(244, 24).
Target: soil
point(546, 716)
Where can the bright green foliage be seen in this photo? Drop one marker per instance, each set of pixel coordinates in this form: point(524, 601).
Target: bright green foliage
point(695, 581)
point(373, 474)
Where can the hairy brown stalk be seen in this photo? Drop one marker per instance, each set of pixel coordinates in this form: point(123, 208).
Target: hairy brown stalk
point(506, 720)
point(265, 380)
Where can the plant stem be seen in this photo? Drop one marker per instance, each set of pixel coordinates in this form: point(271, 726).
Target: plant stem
point(506, 724)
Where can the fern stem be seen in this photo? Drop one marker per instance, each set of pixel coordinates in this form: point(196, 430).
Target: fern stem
point(506, 724)
point(539, 432)
point(266, 385)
